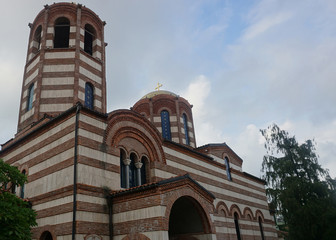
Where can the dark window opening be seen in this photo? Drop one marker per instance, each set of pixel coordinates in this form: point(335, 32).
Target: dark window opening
point(132, 171)
point(122, 169)
point(88, 96)
point(30, 97)
point(22, 186)
point(237, 226)
point(186, 132)
point(165, 124)
point(46, 236)
point(37, 37)
point(143, 170)
point(228, 172)
point(261, 229)
point(89, 37)
point(62, 33)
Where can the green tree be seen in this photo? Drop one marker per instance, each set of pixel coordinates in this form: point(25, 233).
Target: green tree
point(16, 216)
point(298, 187)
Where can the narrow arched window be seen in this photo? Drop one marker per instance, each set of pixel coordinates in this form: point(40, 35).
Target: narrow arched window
point(186, 132)
point(89, 37)
point(37, 38)
point(88, 95)
point(261, 229)
point(165, 124)
point(132, 171)
point(227, 166)
point(236, 222)
point(122, 169)
point(46, 236)
point(30, 97)
point(62, 33)
point(22, 186)
point(143, 170)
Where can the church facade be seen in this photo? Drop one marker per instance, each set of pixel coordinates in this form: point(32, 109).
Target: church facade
point(126, 174)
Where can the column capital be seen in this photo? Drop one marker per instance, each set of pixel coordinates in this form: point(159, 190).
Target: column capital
point(127, 161)
point(138, 165)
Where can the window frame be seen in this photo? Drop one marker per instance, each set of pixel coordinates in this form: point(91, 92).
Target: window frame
point(165, 125)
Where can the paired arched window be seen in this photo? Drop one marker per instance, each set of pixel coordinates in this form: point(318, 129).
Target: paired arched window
point(22, 186)
point(227, 165)
point(132, 171)
point(88, 96)
point(30, 97)
point(165, 124)
point(186, 132)
point(62, 33)
point(89, 37)
point(261, 229)
point(236, 222)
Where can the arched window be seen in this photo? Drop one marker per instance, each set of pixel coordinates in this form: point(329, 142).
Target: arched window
point(46, 236)
point(62, 33)
point(122, 169)
point(30, 97)
point(132, 171)
point(143, 170)
point(261, 229)
point(236, 222)
point(186, 132)
point(227, 165)
point(22, 186)
point(165, 124)
point(37, 38)
point(89, 37)
point(88, 95)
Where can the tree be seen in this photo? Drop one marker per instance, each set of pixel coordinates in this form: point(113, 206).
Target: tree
point(298, 187)
point(16, 215)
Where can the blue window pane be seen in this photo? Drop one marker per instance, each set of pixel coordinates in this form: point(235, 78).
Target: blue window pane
point(185, 122)
point(227, 164)
point(30, 97)
point(165, 124)
point(88, 96)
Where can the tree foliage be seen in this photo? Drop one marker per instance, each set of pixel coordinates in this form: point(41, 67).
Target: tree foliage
point(298, 187)
point(16, 216)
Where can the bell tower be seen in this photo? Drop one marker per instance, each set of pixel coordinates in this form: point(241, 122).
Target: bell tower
point(65, 63)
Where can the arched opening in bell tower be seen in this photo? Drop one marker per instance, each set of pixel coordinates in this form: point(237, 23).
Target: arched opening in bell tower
point(62, 33)
point(89, 37)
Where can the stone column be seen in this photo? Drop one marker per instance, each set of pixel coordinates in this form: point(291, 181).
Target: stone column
point(138, 166)
point(127, 162)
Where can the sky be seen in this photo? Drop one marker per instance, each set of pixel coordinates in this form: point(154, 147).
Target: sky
point(242, 64)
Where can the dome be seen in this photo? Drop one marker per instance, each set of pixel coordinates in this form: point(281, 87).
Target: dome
point(159, 92)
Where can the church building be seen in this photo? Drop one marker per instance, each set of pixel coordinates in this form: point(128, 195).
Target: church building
point(129, 174)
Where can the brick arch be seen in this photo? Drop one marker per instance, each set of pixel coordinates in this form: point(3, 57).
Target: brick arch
point(259, 214)
point(198, 200)
point(247, 211)
point(136, 236)
point(126, 123)
point(221, 206)
point(234, 208)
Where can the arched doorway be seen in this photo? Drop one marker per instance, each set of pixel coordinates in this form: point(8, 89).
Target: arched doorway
point(187, 220)
point(46, 236)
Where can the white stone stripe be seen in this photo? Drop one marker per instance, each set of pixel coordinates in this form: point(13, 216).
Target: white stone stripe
point(90, 135)
point(31, 77)
point(207, 165)
point(210, 176)
point(53, 220)
point(27, 115)
point(55, 107)
point(150, 212)
point(72, 29)
point(92, 217)
point(32, 64)
point(163, 174)
point(97, 103)
point(54, 203)
point(97, 177)
point(58, 81)
point(90, 75)
point(59, 55)
point(173, 129)
point(90, 62)
point(50, 30)
point(98, 155)
point(91, 199)
point(57, 93)
point(40, 139)
point(52, 161)
point(59, 68)
point(92, 121)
